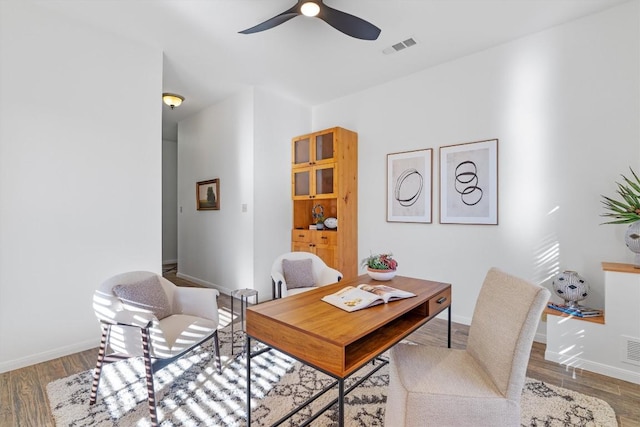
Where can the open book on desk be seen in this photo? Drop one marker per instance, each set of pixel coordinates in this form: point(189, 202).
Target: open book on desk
point(355, 298)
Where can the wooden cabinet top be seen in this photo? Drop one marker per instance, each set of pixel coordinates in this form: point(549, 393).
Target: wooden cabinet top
point(620, 268)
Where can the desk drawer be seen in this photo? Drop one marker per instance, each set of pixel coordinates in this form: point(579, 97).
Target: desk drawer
point(439, 302)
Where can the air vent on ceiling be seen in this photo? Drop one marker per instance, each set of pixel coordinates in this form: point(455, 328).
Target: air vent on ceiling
point(400, 46)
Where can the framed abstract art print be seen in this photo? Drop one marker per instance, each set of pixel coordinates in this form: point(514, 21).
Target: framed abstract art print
point(409, 186)
point(469, 183)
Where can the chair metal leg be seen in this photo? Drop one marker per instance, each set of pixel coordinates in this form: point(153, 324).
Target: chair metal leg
point(216, 345)
point(98, 369)
point(149, 377)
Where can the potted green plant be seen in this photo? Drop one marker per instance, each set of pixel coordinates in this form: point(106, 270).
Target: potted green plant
point(319, 222)
point(380, 266)
point(626, 210)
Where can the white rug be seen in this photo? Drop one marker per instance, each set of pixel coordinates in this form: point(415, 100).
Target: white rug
point(191, 393)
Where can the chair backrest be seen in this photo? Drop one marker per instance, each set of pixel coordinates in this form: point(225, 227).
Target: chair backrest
point(503, 326)
point(106, 303)
point(317, 263)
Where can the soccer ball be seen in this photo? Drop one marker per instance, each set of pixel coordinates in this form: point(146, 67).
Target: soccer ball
point(572, 288)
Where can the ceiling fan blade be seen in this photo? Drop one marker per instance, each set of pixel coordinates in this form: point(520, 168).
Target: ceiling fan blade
point(273, 22)
point(349, 24)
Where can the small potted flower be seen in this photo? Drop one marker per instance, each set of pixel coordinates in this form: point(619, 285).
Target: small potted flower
point(380, 266)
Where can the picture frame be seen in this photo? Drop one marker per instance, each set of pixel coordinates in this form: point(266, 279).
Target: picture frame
point(409, 186)
point(208, 195)
point(469, 183)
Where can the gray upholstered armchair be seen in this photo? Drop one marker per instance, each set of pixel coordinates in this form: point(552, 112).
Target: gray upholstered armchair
point(143, 314)
point(296, 272)
point(482, 384)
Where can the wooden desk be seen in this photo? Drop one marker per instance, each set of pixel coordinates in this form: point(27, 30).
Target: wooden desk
point(335, 341)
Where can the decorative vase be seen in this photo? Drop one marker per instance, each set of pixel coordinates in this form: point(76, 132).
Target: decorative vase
point(632, 239)
point(381, 275)
point(572, 288)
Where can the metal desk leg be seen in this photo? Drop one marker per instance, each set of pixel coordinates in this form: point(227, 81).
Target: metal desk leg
point(341, 402)
point(232, 325)
point(449, 329)
point(248, 353)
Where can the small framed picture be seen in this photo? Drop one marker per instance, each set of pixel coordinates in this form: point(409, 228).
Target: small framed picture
point(469, 183)
point(409, 186)
point(208, 195)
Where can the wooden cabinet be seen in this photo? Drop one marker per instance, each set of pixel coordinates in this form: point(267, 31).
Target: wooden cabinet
point(324, 171)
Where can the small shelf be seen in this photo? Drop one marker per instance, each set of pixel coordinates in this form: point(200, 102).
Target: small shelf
point(597, 319)
point(620, 268)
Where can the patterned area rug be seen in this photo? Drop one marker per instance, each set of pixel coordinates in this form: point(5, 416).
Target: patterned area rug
point(191, 393)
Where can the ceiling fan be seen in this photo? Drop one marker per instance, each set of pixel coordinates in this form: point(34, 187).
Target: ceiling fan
point(341, 21)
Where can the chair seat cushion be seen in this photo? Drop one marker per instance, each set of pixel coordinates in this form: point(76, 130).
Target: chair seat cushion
point(458, 391)
point(179, 333)
point(454, 371)
point(147, 295)
point(298, 273)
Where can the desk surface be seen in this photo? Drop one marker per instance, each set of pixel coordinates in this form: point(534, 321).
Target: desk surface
point(336, 341)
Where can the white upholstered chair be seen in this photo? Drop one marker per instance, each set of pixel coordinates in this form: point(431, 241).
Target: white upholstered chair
point(482, 384)
point(296, 272)
point(144, 314)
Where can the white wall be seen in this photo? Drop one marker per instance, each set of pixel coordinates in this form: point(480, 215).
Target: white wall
point(169, 201)
point(214, 246)
point(277, 120)
point(245, 142)
point(80, 176)
point(564, 105)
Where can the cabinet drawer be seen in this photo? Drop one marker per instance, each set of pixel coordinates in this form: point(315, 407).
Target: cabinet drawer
point(303, 236)
point(440, 302)
point(324, 238)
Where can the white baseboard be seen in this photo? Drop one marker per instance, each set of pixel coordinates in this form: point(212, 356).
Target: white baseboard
point(204, 283)
point(456, 319)
point(598, 368)
point(540, 337)
point(45, 356)
point(169, 261)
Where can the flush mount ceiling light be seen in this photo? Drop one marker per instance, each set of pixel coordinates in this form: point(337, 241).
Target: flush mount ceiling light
point(172, 100)
point(310, 8)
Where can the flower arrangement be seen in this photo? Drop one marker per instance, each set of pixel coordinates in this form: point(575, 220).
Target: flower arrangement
point(380, 262)
point(626, 210)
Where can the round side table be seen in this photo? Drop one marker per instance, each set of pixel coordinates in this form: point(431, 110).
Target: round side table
point(243, 295)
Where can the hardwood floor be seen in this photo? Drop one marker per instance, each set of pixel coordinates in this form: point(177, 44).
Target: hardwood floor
point(24, 402)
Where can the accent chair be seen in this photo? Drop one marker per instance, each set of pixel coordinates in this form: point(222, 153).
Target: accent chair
point(482, 384)
point(143, 314)
point(295, 272)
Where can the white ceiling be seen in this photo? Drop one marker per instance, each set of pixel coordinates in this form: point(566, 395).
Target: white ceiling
point(206, 60)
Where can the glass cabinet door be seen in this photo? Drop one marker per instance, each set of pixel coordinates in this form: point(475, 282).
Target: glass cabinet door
point(324, 147)
point(325, 180)
point(302, 184)
point(302, 152)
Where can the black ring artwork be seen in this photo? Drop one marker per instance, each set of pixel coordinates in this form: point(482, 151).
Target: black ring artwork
point(467, 176)
point(406, 200)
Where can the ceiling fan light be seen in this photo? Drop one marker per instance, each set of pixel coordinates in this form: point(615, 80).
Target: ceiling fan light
point(310, 8)
point(172, 100)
